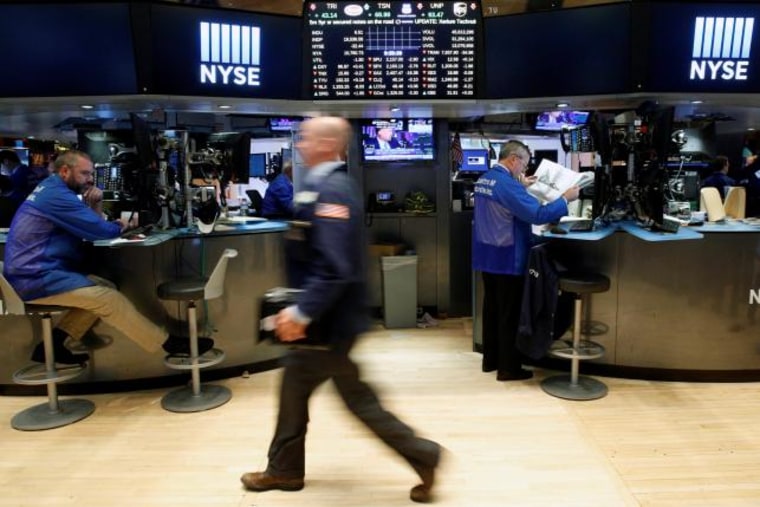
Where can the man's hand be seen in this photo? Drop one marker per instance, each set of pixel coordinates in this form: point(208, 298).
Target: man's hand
point(572, 193)
point(287, 329)
point(93, 197)
point(528, 180)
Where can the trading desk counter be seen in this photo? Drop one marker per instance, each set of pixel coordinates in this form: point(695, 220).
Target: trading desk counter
point(231, 319)
point(676, 310)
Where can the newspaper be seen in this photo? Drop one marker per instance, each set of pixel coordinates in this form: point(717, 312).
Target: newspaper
point(553, 179)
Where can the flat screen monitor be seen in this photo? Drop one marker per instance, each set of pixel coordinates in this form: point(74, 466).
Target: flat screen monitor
point(37, 59)
point(146, 153)
point(389, 140)
point(392, 50)
point(223, 53)
point(283, 124)
point(707, 47)
point(580, 51)
point(475, 161)
point(555, 120)
point(258, 165)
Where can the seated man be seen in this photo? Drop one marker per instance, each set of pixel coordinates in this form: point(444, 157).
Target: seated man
point(719, 177)
point(44, 264)
point(278, 198)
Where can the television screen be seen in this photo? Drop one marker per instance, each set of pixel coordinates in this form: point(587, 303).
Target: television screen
point(37, 57)
point(475, 161)
point(555, 120)
point(381, 50)
point(398, 139)
point(559, 35)
point(257, 168)
point(283, 124)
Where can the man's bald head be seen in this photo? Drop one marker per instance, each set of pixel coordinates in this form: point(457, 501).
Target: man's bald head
point(323, 139)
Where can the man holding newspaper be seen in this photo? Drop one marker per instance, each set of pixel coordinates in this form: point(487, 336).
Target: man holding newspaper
point(502, 237)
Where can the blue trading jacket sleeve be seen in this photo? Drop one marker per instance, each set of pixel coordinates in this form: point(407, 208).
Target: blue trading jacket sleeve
point(526, 207)
point(336, 247)
point(65, 210)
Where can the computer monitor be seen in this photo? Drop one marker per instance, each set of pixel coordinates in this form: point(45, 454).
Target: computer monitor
point(475, 161)
point(257, 167)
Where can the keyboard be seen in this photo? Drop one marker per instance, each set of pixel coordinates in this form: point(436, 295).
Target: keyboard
point(143, 229)
point(582, 226)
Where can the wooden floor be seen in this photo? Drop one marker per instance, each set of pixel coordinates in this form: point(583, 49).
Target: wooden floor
point(510, 444)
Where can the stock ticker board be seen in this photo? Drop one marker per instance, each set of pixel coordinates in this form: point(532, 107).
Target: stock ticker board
point(392, 50)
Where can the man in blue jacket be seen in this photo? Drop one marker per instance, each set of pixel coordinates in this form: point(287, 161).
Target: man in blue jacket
point(328, 261)
point(502, 237)
point(44, 262)
point(278, 198)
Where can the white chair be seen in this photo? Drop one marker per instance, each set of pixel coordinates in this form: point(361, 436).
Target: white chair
point(735, 204)
point(197, 397)
point(710, 202)
point(55, 413)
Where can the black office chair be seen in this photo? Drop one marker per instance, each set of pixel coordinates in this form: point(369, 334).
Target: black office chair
point(256, 201)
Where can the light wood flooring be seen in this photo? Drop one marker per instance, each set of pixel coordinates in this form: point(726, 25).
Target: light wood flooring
point(510, 444)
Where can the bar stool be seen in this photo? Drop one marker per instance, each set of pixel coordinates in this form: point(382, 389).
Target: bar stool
point(573, 386)
point(197, 397)
point(55, 413)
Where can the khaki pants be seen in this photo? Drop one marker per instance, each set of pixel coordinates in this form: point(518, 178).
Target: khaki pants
point(103, 301)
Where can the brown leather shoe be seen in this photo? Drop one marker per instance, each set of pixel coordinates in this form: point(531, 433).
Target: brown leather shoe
point(262, 481)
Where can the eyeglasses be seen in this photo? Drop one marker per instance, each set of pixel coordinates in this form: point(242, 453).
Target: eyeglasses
point(524, 160)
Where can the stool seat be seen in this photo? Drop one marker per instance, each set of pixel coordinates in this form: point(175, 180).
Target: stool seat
point(196, 397)
point(583, 283)
point(183, 289)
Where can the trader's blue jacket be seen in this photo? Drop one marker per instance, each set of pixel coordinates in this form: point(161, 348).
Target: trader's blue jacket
point(43, 252)
point(504, 212)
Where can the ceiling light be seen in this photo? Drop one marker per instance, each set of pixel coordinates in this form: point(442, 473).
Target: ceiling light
point(696, 102)
point(562, 104)
point(395, 109)
point(225, 106)
point(87, 106)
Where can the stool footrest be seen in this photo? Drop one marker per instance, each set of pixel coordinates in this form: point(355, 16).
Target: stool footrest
point(210, 358)
point(586, 350)
point(37, 374)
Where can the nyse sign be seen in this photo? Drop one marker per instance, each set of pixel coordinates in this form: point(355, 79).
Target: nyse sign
point(721, 48)
point(230, 54)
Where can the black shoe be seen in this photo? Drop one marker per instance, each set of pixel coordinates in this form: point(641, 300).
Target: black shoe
point(521, 374)
point(61, 353)
point(423, 493)
point(180, 345)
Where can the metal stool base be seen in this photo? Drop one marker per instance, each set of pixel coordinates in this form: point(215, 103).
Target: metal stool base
point(41, 417)
point(184, 400)
point(561, 386)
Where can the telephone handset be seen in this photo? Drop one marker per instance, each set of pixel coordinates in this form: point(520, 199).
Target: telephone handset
point(580, 139)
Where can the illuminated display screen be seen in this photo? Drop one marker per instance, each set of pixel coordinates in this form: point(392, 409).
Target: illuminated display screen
point(225, 53)
point(704, 47)
point(380, 50)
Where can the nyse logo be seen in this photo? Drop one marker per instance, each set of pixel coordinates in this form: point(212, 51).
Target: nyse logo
point(721, 49)
point(230, 54)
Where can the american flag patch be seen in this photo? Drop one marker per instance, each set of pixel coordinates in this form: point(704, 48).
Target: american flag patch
point(325, 210)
